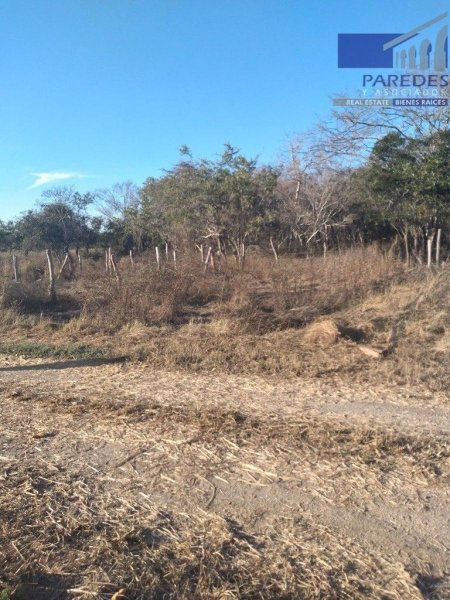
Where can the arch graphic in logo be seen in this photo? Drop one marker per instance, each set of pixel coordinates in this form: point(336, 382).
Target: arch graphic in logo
point(424, 48)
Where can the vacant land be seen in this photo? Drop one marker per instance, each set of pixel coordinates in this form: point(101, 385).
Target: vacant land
point(172, 485)
point(284, 440)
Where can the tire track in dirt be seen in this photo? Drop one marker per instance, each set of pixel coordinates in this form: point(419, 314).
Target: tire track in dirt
point(405, 408)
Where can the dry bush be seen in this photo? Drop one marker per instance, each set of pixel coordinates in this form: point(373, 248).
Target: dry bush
point(328, 284)
point(145, 295)
point(263, 297)
point(298, 291)
point(325, 333)
point(237, 321)
point(223, 346)
point(30, 293)
point(31, 267)
point(411, 322)
point(24, 296)
point(422, 331)
point(33, 271)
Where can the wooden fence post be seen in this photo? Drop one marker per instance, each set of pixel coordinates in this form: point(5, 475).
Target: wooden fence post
point(113, 265)
point(132, 259)
point(213, 262)
point(275, 253)
point(158, 260)
point(438, 246)
point(80, 264)
point(15, 268)
point(51, 271)
point(207, 259)
point(430, 240)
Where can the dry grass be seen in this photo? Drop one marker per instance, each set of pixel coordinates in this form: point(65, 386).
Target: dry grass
point(85, 530)
point(100, 493)
point(303, 317)
point(144, 296)
point(292, 293)
point(413, 319)
point(172, 556)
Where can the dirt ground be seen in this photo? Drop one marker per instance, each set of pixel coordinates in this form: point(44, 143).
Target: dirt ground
point(112, 474)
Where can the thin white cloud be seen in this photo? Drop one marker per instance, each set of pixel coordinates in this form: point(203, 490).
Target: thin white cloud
point(51, 176)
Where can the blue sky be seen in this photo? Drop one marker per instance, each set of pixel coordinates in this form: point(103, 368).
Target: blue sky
point(105, 91)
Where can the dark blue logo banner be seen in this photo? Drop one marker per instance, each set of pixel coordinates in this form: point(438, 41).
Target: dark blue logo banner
point(365, 50)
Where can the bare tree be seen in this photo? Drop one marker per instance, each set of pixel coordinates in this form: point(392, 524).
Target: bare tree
point(349, 135)
point(312, 196)
point(114, 202)
point(120, 203)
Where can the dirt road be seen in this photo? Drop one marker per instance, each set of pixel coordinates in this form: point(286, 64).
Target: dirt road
point(350, 480)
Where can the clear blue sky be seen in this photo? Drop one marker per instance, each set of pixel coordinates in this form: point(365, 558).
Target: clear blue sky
point(110, 89)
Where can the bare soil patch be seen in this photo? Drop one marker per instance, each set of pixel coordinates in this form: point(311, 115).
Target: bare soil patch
point(172, 485)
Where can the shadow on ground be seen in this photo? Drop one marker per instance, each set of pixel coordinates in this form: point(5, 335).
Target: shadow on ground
point(68, 364)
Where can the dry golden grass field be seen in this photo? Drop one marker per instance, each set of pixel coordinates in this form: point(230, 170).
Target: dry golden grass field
point(277, 433)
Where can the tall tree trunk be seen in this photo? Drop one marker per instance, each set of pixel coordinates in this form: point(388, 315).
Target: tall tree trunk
point(325, 243)
point(406, 243)
point(392, 247)
point(416, 249)
point(219, 246)
point(242, 255)
point(416, 242)
point(66, 259)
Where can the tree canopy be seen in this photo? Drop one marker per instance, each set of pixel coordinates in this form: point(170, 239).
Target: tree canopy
point(314, 198)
